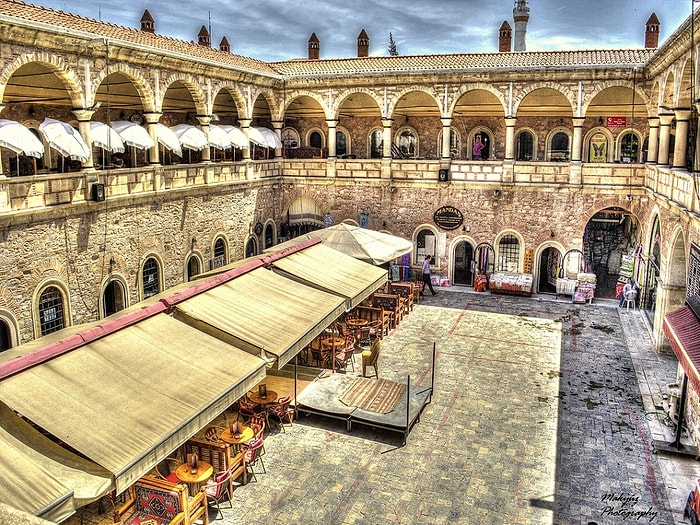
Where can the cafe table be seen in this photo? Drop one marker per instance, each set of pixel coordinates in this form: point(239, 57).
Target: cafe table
point(245, 433)
point(356, 324)
point(270, 397)
point(194, 477)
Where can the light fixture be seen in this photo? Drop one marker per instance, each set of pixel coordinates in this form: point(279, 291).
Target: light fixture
point(496, 193)
point(383, 224)
point(112, 262)
point(600, 121)
point(466, 228)
point(551, 233)
point(392, 189)
point(194, 241)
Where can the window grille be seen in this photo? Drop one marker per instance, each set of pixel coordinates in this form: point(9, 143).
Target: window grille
point(508, 254)
point(51, 310)
point(150, 278)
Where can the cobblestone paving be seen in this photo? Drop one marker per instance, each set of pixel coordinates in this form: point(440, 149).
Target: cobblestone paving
point(536, 418)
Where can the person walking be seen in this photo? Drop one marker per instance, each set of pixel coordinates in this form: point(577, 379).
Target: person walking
point(426, 275)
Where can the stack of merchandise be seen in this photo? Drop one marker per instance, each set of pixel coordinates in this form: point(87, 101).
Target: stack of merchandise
point(586, 287)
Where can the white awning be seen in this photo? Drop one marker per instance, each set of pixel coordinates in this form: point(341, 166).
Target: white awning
point(261, 310)
point(218, 138)
point(133, 135)
point(128, 399)
point(304, 210)
point(334, 272)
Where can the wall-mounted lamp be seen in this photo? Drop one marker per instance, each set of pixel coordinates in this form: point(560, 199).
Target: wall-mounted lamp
point(552, 234)
point(600, 121)
point(628, 197)
point(112, 262)
point(496, 193)
point(383, 224)
point(465, 228)
point(392, 189)
point(31, 111)
point(194, 241)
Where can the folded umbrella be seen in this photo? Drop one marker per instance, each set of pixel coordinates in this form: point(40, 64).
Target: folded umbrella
point(65, 139)
point(133, 135)
point(190, 137)
point(168, 139)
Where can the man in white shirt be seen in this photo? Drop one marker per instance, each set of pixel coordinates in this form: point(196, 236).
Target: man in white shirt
point(426, 275)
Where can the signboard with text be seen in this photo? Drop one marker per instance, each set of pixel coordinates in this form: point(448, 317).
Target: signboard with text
point(616, 122)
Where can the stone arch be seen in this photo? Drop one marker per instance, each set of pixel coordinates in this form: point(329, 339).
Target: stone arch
point(566, 91)
point(276, 111)
point(537, 255)
point(396, 98)
point(602, 86)
point(609, 155)
point(667, 94)
point(346, 93)
point(463, 90)
point(682, 94)
point(140, 82)
point(150, 254)
point(56, 64)
point(112, 277)
point(193, 87)
point(234, 91)
point(291, 97)
point(419, 254)
point(65, 297)
point(521, 243)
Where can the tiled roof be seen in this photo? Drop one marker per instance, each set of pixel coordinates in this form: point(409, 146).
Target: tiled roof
point(466, 62)
point(33, 13)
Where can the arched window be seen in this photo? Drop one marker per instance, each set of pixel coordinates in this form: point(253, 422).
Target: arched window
point(559, 147)
point(219, 258)
point(341, 143)
point(150, 278)
point(598, 149)
point(113, 298)
point(376, 144)
point(5, 342)
point(251, 247)
point(193, 267)
point(425, 245)
point(508, 254)
point(51, 310)
point(629, 148)
point(407, 143)
point(269, 236)
point(525, 146)
point(316, 139)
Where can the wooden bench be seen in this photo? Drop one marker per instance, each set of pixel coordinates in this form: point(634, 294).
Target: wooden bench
point(391, 303)
point(218, 455)
point(162, 502)
point(375, 315)
point(405, 290)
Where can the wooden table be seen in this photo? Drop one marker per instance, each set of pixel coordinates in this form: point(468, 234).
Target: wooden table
point(270, 398)
point(356, 322)
point(332, 342)
point(194, 477)
point(245, 434)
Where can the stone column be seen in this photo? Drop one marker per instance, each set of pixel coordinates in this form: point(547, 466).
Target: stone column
point(510, 138)
point(446, 135)
point(277, 128)
point(680, 147)
point(653, 147)
point(331, 123)
point(577, 142)
point(664, 137)
point(386, 138)
point(84, 116)
point(152, 118)
point(204, 121)
point(2, 106)
point(245, 125)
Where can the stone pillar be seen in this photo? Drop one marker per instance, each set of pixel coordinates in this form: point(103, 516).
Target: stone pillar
point(446, 135)
point(653, 147)
point(664, 137)
point(84, 116)
point(245, 125)
point(152, 118)
point(204, 121)
point(386, 138)
point(680, 148)
point(2, 106)
point(277, 128)
point(510, 138)
point(331, 123)
point(577, 142)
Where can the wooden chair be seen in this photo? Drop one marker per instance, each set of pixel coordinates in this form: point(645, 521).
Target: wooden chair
point(166, 469)
point(371, 358)
point(282, 411)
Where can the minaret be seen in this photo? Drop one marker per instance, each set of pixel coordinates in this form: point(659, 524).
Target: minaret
point(505, 37)
point(521, 14)
point(651, 38)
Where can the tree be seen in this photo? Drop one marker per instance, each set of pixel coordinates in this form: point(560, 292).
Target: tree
point(392, 46)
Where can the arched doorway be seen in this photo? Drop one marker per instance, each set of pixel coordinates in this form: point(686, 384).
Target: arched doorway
point(549, 263)
point(5, 341)
point(464, 264)
point(193, 268)
point(113, 298)
point(251, 247)
point(652, 271)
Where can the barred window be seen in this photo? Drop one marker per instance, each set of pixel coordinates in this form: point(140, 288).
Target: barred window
point(151, 285)
point(525, 143)
point(51, 316)
point(508, 254)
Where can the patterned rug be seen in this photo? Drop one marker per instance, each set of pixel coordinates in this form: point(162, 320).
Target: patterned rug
point(374, 395)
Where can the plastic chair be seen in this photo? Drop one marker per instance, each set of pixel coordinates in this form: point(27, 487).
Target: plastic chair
point(346, 355)
point(630, 299)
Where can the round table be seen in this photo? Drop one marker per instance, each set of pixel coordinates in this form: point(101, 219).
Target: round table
point(333, 342)
point(254, 396)
point(245, 434)
point(356, 322)
point(194, 477)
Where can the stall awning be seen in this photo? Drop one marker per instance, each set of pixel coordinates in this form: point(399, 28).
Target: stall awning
point(150, 386)
point(334, 272)
point(42, 478)
point(261, 310)
point(682, 327)
point(304, 211)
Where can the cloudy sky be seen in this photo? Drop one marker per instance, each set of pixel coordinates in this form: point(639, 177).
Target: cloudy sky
point(273, 30)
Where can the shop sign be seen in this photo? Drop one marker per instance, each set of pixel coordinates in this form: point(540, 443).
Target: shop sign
point(448, 218)
point(616, 122)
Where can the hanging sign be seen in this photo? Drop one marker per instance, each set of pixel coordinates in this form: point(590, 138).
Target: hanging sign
point(448, 218)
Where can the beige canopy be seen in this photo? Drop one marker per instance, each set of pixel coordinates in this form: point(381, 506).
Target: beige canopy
point(151, 386)
point(329, 270)
point(262, 311)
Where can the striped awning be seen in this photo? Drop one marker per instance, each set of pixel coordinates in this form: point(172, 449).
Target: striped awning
point(682, 327)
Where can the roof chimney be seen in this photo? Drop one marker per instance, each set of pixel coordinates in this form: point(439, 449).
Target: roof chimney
point(224, 45)
point(204, 38)
point(651, 38)
point(148, 25)
point(505, 38)
point(363, 44)
point(314, 47)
